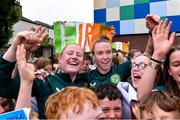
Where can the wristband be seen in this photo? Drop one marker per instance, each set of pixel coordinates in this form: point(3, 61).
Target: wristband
point(150, 33)
point(157, 61)
point(154, 65)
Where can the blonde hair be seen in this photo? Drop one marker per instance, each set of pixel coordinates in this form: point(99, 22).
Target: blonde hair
point(73, 98)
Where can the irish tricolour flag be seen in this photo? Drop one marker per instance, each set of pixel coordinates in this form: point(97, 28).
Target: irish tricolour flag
point(84, 34)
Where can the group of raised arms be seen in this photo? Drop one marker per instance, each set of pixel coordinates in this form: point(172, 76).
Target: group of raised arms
point(146, 86)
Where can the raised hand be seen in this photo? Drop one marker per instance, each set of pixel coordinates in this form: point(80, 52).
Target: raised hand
point(151, 21)
point(162, 40)
point(42, 34)
point(26, 70)
point(31, 39)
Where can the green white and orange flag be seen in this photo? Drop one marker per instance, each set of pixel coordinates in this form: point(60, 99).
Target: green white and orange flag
point(64, 34)
point(84, 34)
point(124, 46)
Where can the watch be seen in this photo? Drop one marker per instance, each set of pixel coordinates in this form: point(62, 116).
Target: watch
point(154, 65)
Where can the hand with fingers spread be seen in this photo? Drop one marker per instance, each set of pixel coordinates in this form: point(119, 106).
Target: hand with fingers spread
point(162, 40)
point(31, 39)
point(42, 34)
point(26, 70)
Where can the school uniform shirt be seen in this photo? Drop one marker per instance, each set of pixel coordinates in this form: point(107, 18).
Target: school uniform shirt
point(42, 89)
point(117, 73)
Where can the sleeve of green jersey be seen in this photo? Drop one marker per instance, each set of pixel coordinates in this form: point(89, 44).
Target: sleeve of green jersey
point(124, 70)
point(8, 87)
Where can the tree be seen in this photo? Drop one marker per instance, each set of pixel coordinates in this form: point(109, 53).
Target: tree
point(10, 13)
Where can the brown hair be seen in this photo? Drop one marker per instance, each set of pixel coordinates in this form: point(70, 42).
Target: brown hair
point(101, 39)
point(41, 62)
point(167, 80)
point(73, 98)
point(108, 90)
point(162, 99)
point(132, 52)
point(7, 104)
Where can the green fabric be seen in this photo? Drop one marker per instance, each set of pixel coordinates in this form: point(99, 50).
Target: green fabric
point(118, 73)
point(70, 33)
point(70, 30)
point(70, 41)
point(64, 35)
point(159, 88)
point(57, 37)
point(6, 85)
point(51, 85)
point(41, 89)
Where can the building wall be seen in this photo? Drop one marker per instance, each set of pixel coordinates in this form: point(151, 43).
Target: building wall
point(138, 41)
point(128, 16)
point(24, 25)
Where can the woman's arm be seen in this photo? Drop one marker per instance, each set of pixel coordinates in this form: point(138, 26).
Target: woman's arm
point(151, 22)
point(162, 44)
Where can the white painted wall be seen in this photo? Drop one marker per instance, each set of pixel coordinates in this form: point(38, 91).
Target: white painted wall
point(23, 26)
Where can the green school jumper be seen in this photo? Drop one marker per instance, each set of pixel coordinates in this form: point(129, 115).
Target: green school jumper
point(116, 74)
point(9, 88)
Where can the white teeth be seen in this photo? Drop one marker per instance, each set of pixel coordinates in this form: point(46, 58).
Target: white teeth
point(136, 76)
point(73, 63)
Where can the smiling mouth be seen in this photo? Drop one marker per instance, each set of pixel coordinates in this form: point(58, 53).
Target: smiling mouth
point(105, 62)
point(137, 76)
point(73, 63)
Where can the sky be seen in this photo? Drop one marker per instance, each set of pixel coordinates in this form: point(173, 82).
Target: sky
point(49, 11)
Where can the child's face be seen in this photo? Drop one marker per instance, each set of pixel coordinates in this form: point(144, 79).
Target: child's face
point(174, 65)
point(139, 65)
point(112, 108)
point(159, 114)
